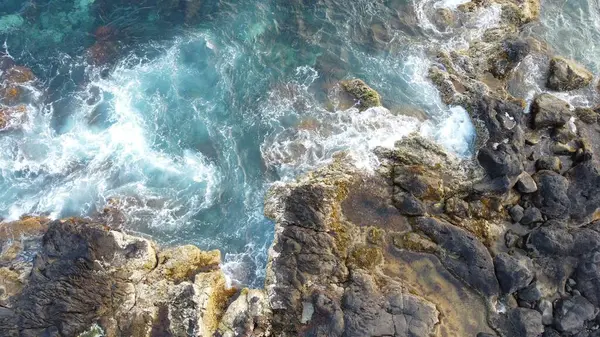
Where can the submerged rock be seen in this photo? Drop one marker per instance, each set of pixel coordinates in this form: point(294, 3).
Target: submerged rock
point(566, 75)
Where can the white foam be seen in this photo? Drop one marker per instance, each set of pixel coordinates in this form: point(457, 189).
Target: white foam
point(450, 4)
point(90, 165)
point(456, 133)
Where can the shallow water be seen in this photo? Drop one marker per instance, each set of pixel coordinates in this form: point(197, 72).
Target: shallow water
point(183, 116)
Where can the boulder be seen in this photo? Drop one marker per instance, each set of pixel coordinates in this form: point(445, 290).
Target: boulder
point(549, 163)
point(444, 18)
point(513, 274)
point(519, 322)
point(587, 277)
point(565, 75)
point(87, 274)
point(571, 313)
point(500, 162)
point(531, 293)
point(516, 213)
point(364, 95)
point(587, 115)
point(552, 240)
point(421, 182)
point(526, 184)
point(550, 111)
point(584, 191)
point(531, 216)
point(552, 195)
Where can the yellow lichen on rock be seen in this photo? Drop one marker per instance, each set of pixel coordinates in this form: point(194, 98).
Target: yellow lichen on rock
point(215, 298)
point(27, 225)
point(414, 242)
point(182, 263)
point(10, 284)
point(366, 257)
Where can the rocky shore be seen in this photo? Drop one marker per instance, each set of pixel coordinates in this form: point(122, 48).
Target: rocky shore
point(506, 244)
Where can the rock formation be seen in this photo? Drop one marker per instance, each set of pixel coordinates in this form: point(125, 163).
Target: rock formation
point(506, 244)
point(567, 75)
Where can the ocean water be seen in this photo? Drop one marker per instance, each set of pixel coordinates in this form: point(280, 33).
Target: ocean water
point(181, 114)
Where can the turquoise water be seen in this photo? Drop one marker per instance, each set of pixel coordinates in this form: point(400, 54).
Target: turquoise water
point(185, 116)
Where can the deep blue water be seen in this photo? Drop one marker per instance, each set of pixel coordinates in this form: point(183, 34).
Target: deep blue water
point(182, 116)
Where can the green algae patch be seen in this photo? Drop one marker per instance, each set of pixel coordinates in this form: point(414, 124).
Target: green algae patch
point(10, 22)
point(366, 96)
point(366, 257)
point(375, 235)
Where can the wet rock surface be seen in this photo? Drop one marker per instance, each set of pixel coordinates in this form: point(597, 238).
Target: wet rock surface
point(504, 244)
point(565, 75)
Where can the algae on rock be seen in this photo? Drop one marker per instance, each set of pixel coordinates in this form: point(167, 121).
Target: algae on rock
point(365, 96)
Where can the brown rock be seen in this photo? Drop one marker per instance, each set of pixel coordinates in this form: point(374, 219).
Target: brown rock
point(184, 262)
point(566, 75)
point(364, 95)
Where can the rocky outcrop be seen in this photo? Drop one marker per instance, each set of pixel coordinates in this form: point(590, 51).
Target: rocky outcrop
point(85, 274)
point(505, 244)
point(565, 75)
point(364, 96)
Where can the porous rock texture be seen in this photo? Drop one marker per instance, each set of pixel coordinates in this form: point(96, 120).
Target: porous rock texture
point(505, 244)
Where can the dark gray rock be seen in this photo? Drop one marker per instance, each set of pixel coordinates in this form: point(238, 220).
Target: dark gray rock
point(512, 273)
point(519, 322)
point(584, 191)
point(412, 315)
point(549, 163)
point(498, 185)
point(551, 197)
point(552, 241)
point(553, 271)
point(531, 215)
point(566, 75)
point(531, 293)
point(516, 49)
point(549, 332)
point(585, 240)
point(463, 254)
point(526, 184)
point(305, 207)
point(587, 277)
point(549, 110)
point(570, 314)
point(369, 313)
point(500, 162)
point(407, 204)
point(516, 213)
